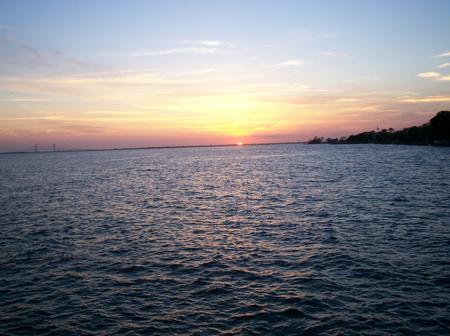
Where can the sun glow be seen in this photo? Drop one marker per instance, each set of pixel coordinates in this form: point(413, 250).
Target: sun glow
point(239, 144)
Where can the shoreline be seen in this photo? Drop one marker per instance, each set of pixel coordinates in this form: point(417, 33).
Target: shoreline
point(214, 146)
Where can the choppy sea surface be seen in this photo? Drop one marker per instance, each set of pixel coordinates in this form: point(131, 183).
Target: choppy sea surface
point(251, 240)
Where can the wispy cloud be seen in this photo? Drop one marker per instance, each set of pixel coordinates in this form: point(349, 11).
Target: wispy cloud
point(334, 54)
point(26, 99)
point(202, 43)
point(443, 66)
point(215, 43)
point(3, 27)
point(429, 99)
point(22, 55)
point(310, 35)
point(446, 54)
point(347, 100)
point(194, 47)
point(360, 79)
point(199, 72)
point(98, 85)
point(190, 50)
point(434, 75)
point(290, 63)
point(430, 74)
point(13, 28)
point(78, 82)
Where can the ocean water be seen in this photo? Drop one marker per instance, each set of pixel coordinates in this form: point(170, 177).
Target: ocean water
point(251, 240)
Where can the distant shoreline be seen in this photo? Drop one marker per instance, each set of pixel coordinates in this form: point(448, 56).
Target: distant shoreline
point(152, 147)
point(436, 133)
point(212, 146)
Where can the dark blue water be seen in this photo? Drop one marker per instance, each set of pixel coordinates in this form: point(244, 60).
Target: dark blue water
point(260, 240)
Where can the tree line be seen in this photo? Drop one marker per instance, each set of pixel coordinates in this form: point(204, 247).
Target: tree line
point(435, 132)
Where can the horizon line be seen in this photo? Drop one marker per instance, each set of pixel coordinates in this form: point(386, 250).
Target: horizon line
point(154, 147)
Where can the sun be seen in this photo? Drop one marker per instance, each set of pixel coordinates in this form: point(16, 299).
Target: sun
point(239, 144)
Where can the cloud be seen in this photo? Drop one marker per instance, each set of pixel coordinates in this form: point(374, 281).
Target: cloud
point(211, 43)
point(82, 81)
point(3, 27)
point(22, 55)
point(199, 72)
point(290, 63)
point(5, 39)
point(334, 54)
point(347, 100)
point(310, 35)
point(204, 43)
point(195, 47)
point(429, 99)
point(446, 54)
point(360, 79)
point(98, 85)
point(434, 75)
point(25, 99)
point(193, 50)
point(443, 66)
point(437, 76)
point(430, 74)
point(12, 28)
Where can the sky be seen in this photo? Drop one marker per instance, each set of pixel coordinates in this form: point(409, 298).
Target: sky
point(112, 74)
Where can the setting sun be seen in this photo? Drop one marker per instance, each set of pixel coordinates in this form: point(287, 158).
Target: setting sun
point(239, 144)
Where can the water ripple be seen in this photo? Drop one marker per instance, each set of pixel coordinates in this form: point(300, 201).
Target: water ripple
point(282, 240)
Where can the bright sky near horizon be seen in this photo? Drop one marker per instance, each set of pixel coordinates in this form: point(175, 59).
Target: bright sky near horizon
point(96, 74)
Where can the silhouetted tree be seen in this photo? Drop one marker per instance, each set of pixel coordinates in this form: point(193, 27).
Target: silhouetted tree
point(315, 140)
point(436, 132)
point(440, 125)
